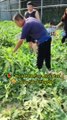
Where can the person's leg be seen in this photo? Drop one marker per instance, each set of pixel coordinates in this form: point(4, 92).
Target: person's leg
point(34, 47)
point(28, 39)
point(40, 57)
point(30, 44)
point(48, 54)
point(44, 53)
point(63, 39)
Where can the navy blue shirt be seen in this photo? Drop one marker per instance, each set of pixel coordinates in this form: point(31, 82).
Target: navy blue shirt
point(35, 29)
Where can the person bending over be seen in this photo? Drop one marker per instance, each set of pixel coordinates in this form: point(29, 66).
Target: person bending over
point(36, 30)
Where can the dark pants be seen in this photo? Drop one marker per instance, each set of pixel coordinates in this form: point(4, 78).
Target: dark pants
point(63, 39)
point(44, 54)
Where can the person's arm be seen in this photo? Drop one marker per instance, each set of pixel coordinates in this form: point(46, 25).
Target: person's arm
point(37, 15)
point(25, 15)
point(60, 24)
point(18, 45)
point(25, 32)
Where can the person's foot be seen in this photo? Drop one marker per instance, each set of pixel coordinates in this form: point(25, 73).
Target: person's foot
point(50, 71)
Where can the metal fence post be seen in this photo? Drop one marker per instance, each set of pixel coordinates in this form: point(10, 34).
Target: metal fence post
point(0, 14)
point(19, 6)
point(10, 9)
point(41, 9)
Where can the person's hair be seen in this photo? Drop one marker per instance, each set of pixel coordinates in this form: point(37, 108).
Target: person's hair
point(52, 22)
point(18, 16)
point(29, 3)
point(64, 15)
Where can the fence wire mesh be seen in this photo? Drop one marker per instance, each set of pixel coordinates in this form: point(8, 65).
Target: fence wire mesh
point(48, 9)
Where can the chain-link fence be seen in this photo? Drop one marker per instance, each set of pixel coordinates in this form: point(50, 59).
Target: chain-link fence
point(48, 9)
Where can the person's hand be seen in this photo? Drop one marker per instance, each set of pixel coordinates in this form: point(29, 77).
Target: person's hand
point(14, 53)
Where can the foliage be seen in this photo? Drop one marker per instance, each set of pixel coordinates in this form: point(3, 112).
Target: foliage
point(24, 93)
